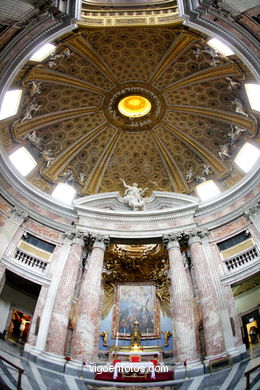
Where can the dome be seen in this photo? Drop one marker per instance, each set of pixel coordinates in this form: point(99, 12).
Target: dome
point(183, 125)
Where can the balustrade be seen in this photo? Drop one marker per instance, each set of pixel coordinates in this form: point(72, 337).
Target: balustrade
point(30, 260)
point(242, 258)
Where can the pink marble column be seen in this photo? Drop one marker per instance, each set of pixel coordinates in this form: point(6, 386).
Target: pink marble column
point(60, 314)
point(230, 302)
point(182, 305)
point(83, 346)
point(213, 333)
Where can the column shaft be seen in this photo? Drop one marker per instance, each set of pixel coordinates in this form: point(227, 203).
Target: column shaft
point(213, 333)
point(83, 340)
point(182, 307)
point(61, 308)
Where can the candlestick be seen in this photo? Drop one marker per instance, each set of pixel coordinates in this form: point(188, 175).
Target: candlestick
point(116, 339)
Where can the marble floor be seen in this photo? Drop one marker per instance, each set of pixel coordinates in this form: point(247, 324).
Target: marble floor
point(39, 378)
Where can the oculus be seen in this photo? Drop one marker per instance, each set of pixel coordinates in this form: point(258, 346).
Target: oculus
point(134, 106)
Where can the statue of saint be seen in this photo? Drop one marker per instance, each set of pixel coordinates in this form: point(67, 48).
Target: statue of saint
point(104, 334)
point(134, 196)
point(166, 334)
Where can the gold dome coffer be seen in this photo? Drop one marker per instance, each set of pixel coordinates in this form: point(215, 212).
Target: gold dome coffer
point(134, 106)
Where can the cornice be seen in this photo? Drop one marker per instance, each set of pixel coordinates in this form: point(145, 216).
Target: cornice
point(30, 274)
point(249, 182)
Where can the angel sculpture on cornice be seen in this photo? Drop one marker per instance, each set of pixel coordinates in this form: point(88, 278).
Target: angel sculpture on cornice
point(134, 196)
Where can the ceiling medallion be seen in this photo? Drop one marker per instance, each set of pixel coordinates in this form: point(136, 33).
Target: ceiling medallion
point(134, 106)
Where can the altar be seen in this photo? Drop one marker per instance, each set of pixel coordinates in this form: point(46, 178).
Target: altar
point(134, 367)
point(124, 352)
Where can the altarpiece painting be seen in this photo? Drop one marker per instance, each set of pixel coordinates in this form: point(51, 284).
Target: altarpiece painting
point(136, 302)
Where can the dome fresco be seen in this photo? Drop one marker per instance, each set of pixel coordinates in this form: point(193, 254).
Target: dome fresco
point(70, 122)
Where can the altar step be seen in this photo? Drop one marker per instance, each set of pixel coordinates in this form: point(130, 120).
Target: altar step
point(159, 377)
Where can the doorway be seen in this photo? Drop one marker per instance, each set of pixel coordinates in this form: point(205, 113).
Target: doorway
point(250, 323)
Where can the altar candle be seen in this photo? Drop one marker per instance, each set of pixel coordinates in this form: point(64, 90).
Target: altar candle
point(116, 339)
point(124, 332)
point(147, 331)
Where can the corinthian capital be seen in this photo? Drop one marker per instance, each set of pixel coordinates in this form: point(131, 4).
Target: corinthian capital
point(170, 238)
point(75, 237)
point(98, 239)
point(18, 215)
point(197, 232)
point(253, 210)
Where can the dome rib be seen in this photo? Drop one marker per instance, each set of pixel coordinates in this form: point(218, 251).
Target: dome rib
point(178, 182)
point(21, 129)
point(198, 149)
point(180, 45)
point(60, 163)
point(95, 178)
point(214, 73)
point(225, 116)
point(53, 76)
point(82, 47)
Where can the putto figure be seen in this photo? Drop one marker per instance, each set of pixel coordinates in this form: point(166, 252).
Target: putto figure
point(134, 196)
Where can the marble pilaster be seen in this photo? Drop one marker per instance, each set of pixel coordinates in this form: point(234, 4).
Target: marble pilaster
point(36, 317)
point(214, 263)
point(182, 304)
point(213, 333)
point(254, 215)
point(2, 277)
point(61, 306)
point(230, 302)
point(83, 346)
point(10, 228)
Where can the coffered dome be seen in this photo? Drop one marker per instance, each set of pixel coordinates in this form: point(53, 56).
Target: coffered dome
point(70, 120)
